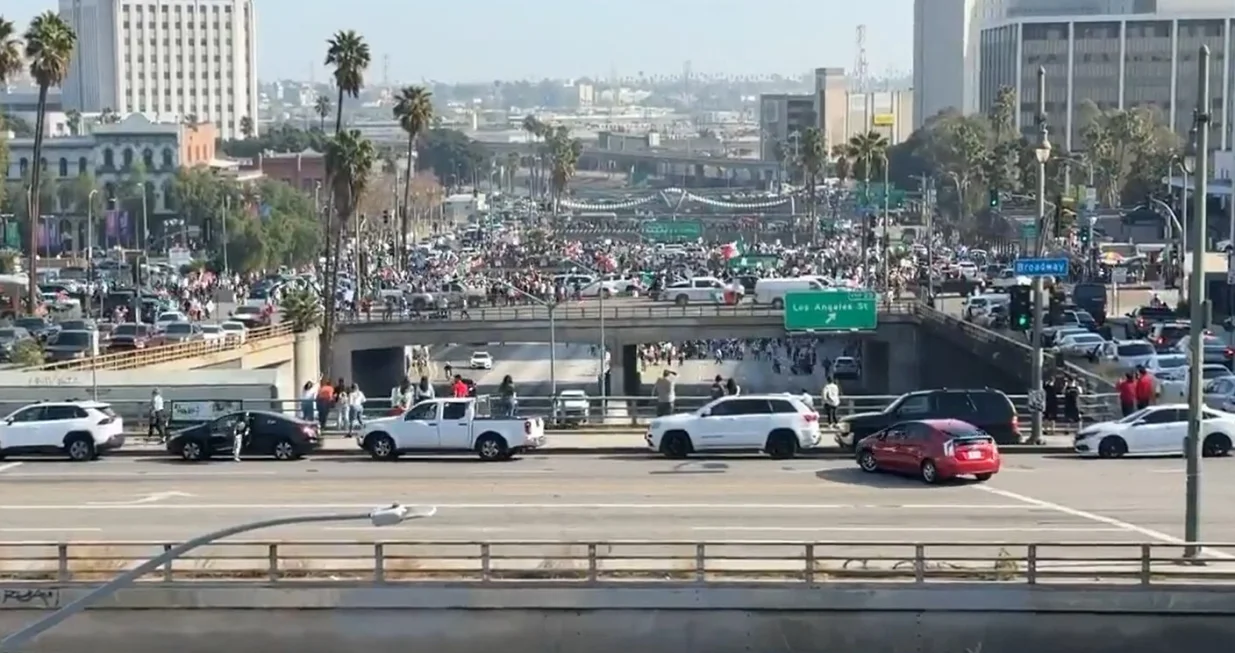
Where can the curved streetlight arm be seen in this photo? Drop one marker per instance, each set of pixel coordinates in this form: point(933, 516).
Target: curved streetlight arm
point(15, 640)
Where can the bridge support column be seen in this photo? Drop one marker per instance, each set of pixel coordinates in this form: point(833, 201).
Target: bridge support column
point(306, 354)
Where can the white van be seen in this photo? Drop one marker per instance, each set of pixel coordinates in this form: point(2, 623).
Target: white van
point(772, 291)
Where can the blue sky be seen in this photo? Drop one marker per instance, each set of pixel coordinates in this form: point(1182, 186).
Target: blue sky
point(484, 40)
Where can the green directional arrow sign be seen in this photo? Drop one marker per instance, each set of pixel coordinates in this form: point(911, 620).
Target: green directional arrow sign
point(671, 231)
point(830, 310)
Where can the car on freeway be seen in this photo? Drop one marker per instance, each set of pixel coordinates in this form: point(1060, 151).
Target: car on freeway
point(780, 425)
point(37, 326)
point(80, 430)
point(9, 337)
point(1128, 355)
point(235, 332)
point(1168, 366)
point(481, 360)
point(1214, 350)
point(251, 316)
point(572, 407)
point(1079, 344)
point(1166, 335)
point(213, 333)
point(132, 335)
point(450, 426)
point(987, 409)
point(934, 450)
point(70, 345)
point(1156, 430)
point(168, 318)
point(846, 367)
point(1052, 335)
point(178, 332)
point(270, 434)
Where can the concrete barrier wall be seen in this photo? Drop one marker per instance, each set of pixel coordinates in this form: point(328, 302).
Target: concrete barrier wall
point(651, 619)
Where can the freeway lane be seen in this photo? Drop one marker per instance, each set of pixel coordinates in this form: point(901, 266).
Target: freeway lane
point(1036, 498)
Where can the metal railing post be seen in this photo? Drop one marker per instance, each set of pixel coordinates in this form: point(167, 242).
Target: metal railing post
point(810, 563)
point(62, 562)
point(379, 562)
point(272, 560)
point(169, 573)
point(919, 563)
point(591, 561)
point(486, 562)
point(700, 562)
point(1146, 563)
point(1031, 564)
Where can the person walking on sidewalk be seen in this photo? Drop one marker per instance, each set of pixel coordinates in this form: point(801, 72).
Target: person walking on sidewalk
point(831, 400)
point(158, 417)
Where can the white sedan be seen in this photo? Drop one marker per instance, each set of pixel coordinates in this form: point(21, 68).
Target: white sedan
point(235, 331)
point(1157, 430)
point(1080, 344)
point(168, 317)
point(481, 360)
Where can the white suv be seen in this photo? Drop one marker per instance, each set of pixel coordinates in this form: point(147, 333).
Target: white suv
point(779, 424)
point(79, 429)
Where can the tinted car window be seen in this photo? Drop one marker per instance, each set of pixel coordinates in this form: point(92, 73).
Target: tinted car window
point(953, 404)
point(1165, 416)
point(1135, 349)
point(423, 411)
point(992, 405)
point(782, 406)
point(73, 339)
point(914, 405)
point(454, 410)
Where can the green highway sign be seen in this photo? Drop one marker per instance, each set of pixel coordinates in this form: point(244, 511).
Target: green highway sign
point(754, 261)
point(671, 231)
point(830, 310)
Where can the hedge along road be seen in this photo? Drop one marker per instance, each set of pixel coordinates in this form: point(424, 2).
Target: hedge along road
point(1036, 498)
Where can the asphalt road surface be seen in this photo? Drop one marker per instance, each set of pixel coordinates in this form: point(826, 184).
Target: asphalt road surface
point(1035, 498)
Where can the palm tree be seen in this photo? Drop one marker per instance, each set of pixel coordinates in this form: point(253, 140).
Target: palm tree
point(812, 156)
point(322, 108)
point(10, 51)
point(840, 161)
point(564, 153)
point(246, 127)
point(349, 54)
point(534, 129)
point(302, 309)
point(350, 160)
point(512, 167)
point(49, 48)
point(414, 111)
point(866, 149)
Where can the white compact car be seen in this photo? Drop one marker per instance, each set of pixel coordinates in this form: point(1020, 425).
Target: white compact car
point(782, 425)
point(481, 360)
point(1157, 430)
point(79, 429)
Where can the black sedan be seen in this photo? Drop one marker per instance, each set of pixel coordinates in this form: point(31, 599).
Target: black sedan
point(270, 434)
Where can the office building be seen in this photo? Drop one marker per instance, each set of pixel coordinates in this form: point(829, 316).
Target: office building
point(1113, 61)
point(889, 113)
point(192, 60)
point(944, 56)
point(780, 115)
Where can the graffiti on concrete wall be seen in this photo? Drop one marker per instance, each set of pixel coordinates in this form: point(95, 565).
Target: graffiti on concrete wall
point(29, 597)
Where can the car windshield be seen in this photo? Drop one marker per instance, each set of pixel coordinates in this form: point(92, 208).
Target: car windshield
point(233, 326)
point(128, 330)
point(8, 334)
point(30, 323)
point(573, 394)
point(248, 310)
point(180, 328)
point(1134, 416)
point(1085, 339)
point(73, 339)
point(171, 317)
point(481, 354)
point(1135, 349)
point(1171, 362)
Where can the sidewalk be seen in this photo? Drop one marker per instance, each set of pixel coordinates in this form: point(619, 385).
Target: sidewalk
point(577, 443)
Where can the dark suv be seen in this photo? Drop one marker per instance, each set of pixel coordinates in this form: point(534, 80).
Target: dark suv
point(989, 410)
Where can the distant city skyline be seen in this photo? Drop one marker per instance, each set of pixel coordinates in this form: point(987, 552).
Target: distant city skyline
point(488, 40)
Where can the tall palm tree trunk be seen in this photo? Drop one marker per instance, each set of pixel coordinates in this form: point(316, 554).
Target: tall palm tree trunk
point(331, 271)
point(405, 216)
point(36, 174)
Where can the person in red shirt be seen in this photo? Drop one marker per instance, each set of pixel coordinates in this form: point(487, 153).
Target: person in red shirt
point(1144, 388)
point(458, 389)
point(1126, 389)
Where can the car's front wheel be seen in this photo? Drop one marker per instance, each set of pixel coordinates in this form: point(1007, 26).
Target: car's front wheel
point(868, 463)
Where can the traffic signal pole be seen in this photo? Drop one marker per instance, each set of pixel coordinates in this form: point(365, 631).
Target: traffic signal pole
point(1035, 374)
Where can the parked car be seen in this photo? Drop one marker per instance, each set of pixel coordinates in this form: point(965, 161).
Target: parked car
point(934, 450)
point(451, 425)
point(270, 434)
point(80, 430)
point(987, 409)
point(781, 425)
point(1157, 430)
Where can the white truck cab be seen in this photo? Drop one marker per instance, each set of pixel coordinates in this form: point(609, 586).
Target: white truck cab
point(451, 425)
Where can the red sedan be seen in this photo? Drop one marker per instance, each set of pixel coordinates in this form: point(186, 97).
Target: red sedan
point(933, 449)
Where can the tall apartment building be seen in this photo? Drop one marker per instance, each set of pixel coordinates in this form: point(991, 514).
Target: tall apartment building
point(1114, 61)
point(782, 114)
point(165, 59)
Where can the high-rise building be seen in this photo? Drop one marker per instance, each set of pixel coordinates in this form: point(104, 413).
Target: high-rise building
point(165, 59)
point(1143, 56)
point(780, 116)
point(944, 56)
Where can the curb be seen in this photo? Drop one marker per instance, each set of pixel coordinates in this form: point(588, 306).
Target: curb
point(821, 453)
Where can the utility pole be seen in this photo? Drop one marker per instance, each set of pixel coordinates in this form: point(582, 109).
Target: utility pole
point(1043, 153)
point(1196, 303)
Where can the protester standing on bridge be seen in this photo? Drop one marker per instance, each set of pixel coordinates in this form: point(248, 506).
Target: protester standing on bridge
point(355, 408)
point(831, 400)
point(1144, 387)
point(158, 417)
point(507, 398)
point(423, 391)
point(308, 397)
point(325, 400)
point(718, 388)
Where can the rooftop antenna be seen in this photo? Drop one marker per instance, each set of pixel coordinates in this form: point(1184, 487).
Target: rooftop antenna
point(861, 74)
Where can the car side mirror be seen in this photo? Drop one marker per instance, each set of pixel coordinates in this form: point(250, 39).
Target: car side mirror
point(705, 414)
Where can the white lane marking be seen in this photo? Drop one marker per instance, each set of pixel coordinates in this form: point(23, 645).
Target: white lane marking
point(148, 499)
point(147, 505)
point(906, 529)
point(7, 466)
point(51, 530)
point(1094, 517)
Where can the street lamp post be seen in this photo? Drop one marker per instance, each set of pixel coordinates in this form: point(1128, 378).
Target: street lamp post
point(885, 250)
point(1187, 165)
point(94, 344)
point(601, 292)
point(387, 516)
point(1042, 152)
point(1196, 301)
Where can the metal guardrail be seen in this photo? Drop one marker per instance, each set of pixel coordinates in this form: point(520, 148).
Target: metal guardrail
point(346, 561)
point(1094, 408)
point(593, 311)
point(128, 360)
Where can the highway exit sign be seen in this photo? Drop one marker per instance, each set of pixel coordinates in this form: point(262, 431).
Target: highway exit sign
point(830, 310)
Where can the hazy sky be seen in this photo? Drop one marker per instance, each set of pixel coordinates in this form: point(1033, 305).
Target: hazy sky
point(484, 40)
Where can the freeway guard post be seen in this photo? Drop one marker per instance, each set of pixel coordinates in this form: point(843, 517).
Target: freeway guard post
point(831, 310)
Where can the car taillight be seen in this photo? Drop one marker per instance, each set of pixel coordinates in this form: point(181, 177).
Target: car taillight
point(1229, 352)
point(1016, 424)
point(949, 448)
point(811, 417)
point(106, 420)
point(310, 432)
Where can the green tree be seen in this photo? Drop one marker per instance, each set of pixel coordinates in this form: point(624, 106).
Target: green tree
point(812, 157)
point(27, 353)
point(302, 309)
point(321, 107)
point(349, 163)
point(246, 127)
point(866, 150)
point(841, 165)
point(49, 49)
point(10, 65)
point(512, 169)
point(414, 111)
point(348, 53)
point(564, 153)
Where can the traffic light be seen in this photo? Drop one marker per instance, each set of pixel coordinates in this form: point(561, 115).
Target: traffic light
point(1020, 309)
point(992, 198)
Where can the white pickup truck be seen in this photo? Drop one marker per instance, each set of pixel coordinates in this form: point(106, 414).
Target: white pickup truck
point(451, 425)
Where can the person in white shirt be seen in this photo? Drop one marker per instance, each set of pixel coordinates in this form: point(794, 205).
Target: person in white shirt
point(831, 400)
point(158, 416)
point(308, 401)
point(355, 401)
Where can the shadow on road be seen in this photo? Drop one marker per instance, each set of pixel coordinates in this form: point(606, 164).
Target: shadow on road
point(855, 476)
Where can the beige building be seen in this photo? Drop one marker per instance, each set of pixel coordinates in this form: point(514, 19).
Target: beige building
point(1114, 61)
point(889, 113)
